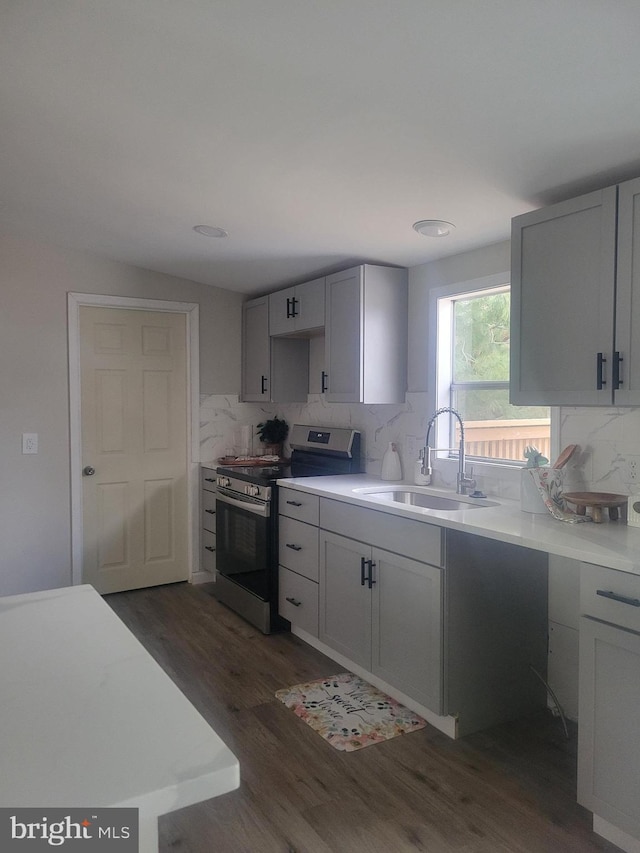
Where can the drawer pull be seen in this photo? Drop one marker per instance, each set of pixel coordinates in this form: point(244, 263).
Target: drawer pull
point(634, 602)
point(209, 479)
point(294, 547)
point(293, 601)
point(294, 503)
point(210, 511)
point(209, 548)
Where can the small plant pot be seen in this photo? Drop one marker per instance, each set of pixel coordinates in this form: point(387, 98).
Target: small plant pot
point(272, 450)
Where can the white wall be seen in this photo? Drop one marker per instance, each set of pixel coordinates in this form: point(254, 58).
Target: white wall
point(35, 534)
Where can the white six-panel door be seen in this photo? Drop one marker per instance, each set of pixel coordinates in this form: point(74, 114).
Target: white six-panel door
point(134, 436)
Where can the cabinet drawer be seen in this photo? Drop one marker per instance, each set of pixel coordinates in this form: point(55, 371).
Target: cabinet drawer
point(404, 536)
point(208, 511)
point(298, 547)
point(208, 479)
point(610, 595)
point(208, 551)
point(298, 505)
point(298, 601)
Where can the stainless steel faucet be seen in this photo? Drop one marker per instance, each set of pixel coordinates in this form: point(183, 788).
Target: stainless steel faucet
point(463, 483)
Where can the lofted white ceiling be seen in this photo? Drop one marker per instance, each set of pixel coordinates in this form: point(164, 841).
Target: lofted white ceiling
point(314, 131)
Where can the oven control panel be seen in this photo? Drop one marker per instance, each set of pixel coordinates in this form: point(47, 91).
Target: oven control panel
point(234, 485)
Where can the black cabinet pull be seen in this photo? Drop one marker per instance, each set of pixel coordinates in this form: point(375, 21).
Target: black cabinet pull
point(600, 380)
point(263, 385)
point(293, 601)
point(634, 602)
point(323, 386)
point(294, 302)
point(209, 548)
point(370, 578)
point(366, 579)
point(616, 376)
point(294, 503)
point(289, 314)
point(210, 511)
point(293, 547)
point(209, 479)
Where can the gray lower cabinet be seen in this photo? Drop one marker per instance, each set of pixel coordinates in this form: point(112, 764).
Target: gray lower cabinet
point(609, 730)
point(298, 559)
point(383, 611)
point(298, 600)
point(208, 530)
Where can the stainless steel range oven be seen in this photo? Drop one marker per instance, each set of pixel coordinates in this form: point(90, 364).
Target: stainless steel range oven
point(247, 519)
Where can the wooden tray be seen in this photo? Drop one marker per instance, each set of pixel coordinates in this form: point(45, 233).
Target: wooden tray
point(597, 501)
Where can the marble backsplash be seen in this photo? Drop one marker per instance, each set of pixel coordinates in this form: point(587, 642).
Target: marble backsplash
point(609, 439)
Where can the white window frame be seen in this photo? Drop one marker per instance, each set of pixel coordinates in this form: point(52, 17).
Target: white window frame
point(440, 349)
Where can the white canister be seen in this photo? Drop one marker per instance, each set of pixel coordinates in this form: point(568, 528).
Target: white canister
point(391, 467)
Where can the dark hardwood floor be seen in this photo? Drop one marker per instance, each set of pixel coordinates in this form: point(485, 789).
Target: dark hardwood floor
point(507, 790)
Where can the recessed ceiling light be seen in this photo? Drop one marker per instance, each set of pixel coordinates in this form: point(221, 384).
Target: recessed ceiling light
point(210, 231)
point(433, 227)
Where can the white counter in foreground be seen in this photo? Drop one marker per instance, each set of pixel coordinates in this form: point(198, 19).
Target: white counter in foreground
point(611, 544)
point(90, 719)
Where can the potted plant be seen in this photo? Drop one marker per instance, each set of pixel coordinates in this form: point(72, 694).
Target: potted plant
point(273, 434)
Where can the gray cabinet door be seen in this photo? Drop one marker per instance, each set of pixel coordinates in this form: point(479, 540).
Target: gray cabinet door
point(343, 336)
point(628, 294)
point(281, 318)
point(609, 731)
point(366, 335)
point(297, 309)
point(562, 302)
point(309, 305)
point(255, 350)
point(345, 602)
point(407, 627)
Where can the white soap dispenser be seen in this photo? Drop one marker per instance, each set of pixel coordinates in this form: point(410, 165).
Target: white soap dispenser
point(391, 468)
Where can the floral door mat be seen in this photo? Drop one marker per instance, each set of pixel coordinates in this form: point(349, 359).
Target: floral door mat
point(348, 712)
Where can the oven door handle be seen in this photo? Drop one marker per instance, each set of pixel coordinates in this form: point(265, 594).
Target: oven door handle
point(261, 509)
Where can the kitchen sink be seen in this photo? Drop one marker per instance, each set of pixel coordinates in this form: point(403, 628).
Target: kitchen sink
point(425, 500)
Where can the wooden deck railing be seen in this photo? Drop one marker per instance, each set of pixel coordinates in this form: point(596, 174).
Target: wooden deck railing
point(506, 439)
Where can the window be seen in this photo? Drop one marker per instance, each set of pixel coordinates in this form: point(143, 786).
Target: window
point(473, 377)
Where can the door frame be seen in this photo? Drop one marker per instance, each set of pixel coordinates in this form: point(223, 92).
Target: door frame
point(191, 311)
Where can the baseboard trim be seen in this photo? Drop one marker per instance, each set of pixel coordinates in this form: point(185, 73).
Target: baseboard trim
point(623, 840)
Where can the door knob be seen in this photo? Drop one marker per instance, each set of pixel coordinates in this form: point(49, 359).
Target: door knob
point(88, 471)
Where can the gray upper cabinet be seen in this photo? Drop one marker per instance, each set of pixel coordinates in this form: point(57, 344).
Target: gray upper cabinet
point(575, 324)
point(562, 299)
point(273, 370)
point(366, 335)
point(256, 367)
point(297, 309)
point(627, 340)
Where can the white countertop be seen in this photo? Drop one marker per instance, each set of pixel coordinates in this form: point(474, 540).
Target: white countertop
point(611, 544)
point(88, 718)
